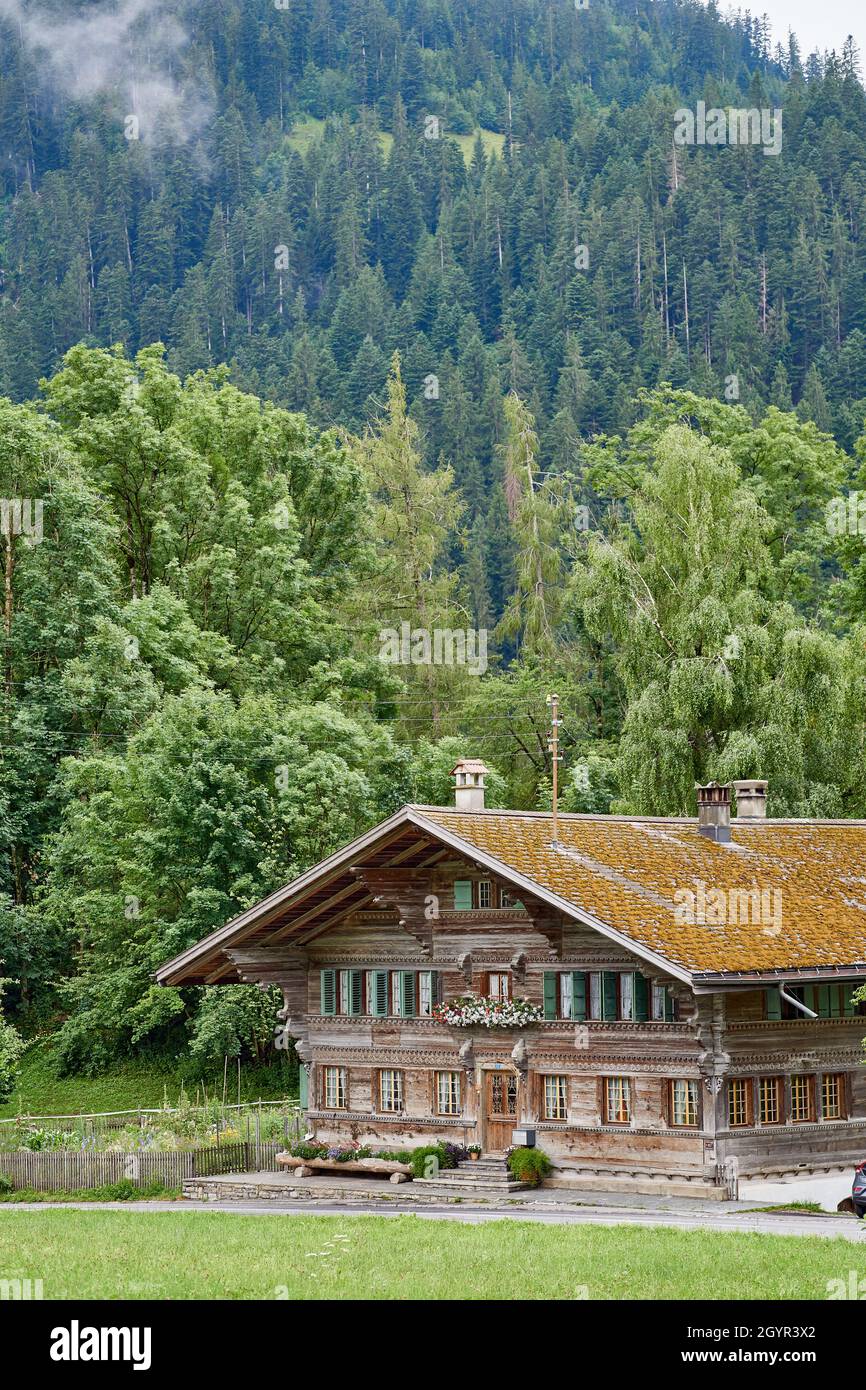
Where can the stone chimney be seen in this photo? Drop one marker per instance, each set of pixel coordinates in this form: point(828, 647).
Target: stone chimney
point(751, 800)
point(714, 812)
point(469, 777)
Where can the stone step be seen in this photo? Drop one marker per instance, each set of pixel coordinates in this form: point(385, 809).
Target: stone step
point(451, 1181)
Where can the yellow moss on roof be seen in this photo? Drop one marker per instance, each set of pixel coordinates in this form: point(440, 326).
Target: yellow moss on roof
point(627, 874)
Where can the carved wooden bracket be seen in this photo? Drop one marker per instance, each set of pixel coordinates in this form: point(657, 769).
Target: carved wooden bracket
point(400, 889)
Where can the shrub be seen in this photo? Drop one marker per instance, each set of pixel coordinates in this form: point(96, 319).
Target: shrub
point(529, 1165)
point(5, 1183)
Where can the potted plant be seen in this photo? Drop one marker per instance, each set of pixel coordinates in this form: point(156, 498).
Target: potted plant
point(475, 1152)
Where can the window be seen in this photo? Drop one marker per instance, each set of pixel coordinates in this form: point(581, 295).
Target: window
point(425, 993)
point(739, 1104)
point(833, 1097)
point(381, 993)
point(499, 985)
point(617, 1108)
point(601, 995)
point(507, 899)
point(684, 1103)
point(484, 893)
point(351, 992)
point(335, 1088)
point(662, 1004)
point(802, 1099)
point(769, 1100)
point(390, 1092)
point(556, 1097)
point(626, 996)
point(827, 1001)
point(447, 1093)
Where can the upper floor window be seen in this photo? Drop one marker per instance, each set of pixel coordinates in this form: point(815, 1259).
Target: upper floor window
point(603, 995)
point(478, 893)
point(382, 993)
point(499, 984)
point(390, 1091)
point(827, 1001)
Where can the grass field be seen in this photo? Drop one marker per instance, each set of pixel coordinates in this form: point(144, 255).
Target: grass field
point(306, 132)
point(40, 1091)
point(189, 1255)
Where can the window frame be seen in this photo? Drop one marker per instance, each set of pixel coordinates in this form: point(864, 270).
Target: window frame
point(625, 1093)
point(809, 1091)
point(557, 1102)
point(455, 1093)
point(343, 1088)
point(776, 1083)
point(748, 1097)
point(840, 1079)
point(691, 1107)
point(399, 1090)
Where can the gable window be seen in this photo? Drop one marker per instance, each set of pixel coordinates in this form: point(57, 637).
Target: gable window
point(335, 1088)
point(556, 1097)
point(662, 1004)
point(447, 1092)
point(739, 1103)
point(390, 1092)
point(684, 1104)
point(507, 899)
point(626, 997)
point(802, 1099)
point(484, 893)
point(833, 1097)
point(769, 1100)
point(617, 1100)
point(481, 893)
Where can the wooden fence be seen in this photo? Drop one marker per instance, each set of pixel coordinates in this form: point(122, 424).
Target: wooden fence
point(69, 1170)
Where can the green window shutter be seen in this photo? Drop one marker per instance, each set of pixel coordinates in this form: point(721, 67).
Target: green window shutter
point(823, 1001)
point(550, 992)
point(435, 987)
point(641, 998)
point(835, 1001)
point(609, 996)
point(670, 1007)
point(407, 993)
point(773, 1005)
point(578, 995)
point(379, 1001)
point(329, 991)
point(303, 1087)
point(809, 998)
point(463, 895)
point(848, 1000)
point(356, 991)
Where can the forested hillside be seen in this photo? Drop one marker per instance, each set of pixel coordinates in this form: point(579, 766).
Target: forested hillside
point(323, 319)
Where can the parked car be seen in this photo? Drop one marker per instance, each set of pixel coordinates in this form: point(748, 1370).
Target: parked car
point(858, 1191)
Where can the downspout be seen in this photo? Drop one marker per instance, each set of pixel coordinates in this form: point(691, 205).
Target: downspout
point(797, 1003)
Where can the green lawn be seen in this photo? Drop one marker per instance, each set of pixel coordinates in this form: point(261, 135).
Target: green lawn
point(40, 1091)
point(187, 1255)
point(306, 132)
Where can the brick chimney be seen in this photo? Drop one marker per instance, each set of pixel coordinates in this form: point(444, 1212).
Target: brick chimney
point(469, 776)
point(714, 812)
point(751, 800)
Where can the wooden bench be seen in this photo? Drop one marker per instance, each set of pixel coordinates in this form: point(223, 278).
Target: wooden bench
point(372, 1167)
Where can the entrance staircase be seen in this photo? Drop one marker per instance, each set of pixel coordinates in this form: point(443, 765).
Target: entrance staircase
point(486, 1177)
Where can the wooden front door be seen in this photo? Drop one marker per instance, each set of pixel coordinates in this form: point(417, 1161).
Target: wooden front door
point(502, 1109)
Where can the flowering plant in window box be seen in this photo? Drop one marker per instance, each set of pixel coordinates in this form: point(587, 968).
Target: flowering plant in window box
point(479, 1011)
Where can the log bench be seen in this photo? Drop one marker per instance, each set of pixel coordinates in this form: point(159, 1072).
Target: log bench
point(372, 1167)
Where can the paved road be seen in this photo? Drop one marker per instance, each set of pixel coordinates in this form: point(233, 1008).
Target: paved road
point(691, 1218)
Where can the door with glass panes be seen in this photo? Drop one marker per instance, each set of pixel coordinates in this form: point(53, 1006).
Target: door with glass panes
point(501, 1110)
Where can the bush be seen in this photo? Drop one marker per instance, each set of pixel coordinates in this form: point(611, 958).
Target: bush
point(529, 1165)
point(5, 1183)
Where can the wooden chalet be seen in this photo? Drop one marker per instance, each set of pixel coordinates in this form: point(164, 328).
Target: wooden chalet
point(694, 981)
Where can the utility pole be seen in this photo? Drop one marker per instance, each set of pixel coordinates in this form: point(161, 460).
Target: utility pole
point(556, 758)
